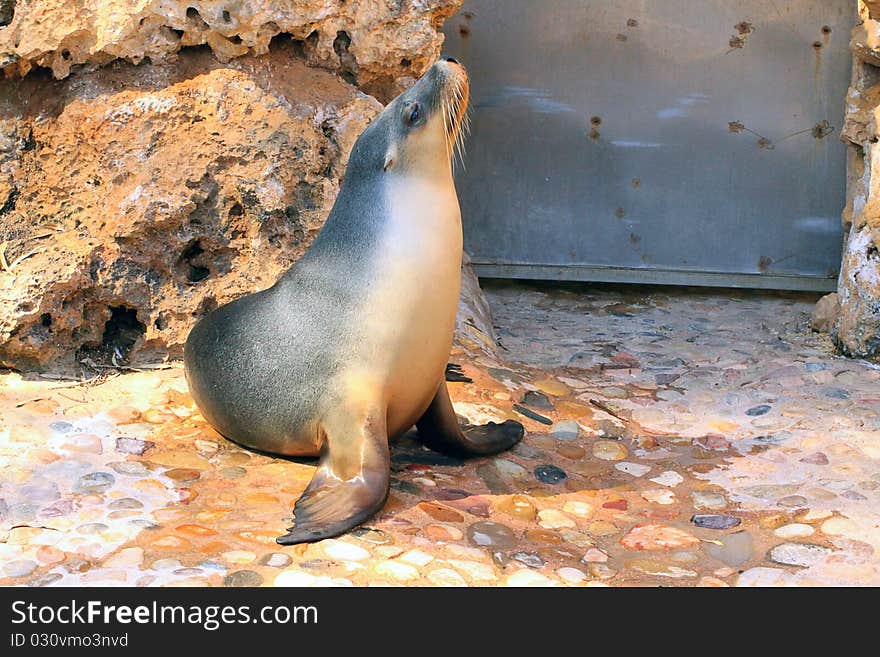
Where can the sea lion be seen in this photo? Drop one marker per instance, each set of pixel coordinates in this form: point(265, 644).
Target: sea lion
point(348, 350)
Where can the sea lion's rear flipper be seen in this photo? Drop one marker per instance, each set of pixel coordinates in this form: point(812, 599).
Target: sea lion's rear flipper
point(439, 430)
point(351, 482)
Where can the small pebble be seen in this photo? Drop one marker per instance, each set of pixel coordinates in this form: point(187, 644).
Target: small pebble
point(276, 560)
point(532, 415)
point(491, 535)
point(571, 575)
point(816, 458)
point(550, 474)
point(795, 530)
point(239, 556)
point(243, 578)
point(553, 519)
point(510, 469)
point(566, 430)
point(370, 535)
point(764, 577)
point(397, 570)
point(634, 469)
point(715, 521)
point(669, 478)
point(416, 558)
point(756, 411)
point(657, 537)
point(595, 555)
point(232, 472)
point(793, 501)
point(528, 578)
point(530, 559)
point(446, 577)
point(537, 400)
point(95, 482)
point(336, 549)
point(135, 446)
point(126, 503)
point(839, 527)
point(61, 427)
point(706, 500)
point(798, 554)
point(19, 568)
point(576, 508)
point(609, 450)
point(518, 506)
point(131, 468)
point(660, 569)
point(659, 496)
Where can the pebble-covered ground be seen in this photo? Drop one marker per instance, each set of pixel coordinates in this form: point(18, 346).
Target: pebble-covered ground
point(674, 438)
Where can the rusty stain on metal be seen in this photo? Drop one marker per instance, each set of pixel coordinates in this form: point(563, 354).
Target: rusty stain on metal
point(738, 40)
point(764, 263)
point(819, 131)
point(763, 142)
point(822, 130)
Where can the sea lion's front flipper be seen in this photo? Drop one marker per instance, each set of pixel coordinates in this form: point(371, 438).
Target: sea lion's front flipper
point(351, 482)
point(439, 430)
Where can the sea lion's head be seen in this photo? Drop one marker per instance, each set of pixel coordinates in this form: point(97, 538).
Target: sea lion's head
point(420, 131)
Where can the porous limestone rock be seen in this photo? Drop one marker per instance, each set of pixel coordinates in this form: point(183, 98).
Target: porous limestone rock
point(135, 198)
point(825, 313)
point(856, 327)
point(376, 45)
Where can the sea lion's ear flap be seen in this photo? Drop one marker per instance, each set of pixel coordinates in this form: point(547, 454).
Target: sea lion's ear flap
point(390, 157)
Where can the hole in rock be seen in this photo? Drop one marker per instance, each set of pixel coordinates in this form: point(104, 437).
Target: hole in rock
point(7, 12)
point(122, 330)
point(347, 61)
point(191, 265)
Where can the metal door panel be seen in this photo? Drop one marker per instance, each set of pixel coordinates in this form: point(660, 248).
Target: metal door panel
point(673, 141)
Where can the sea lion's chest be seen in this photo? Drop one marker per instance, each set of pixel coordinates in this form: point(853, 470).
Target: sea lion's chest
point(413, 293)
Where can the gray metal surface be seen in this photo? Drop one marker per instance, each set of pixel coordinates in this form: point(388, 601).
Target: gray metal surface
point(671, 141)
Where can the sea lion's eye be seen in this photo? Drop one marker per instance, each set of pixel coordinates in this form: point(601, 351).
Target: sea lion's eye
point(415, 113)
